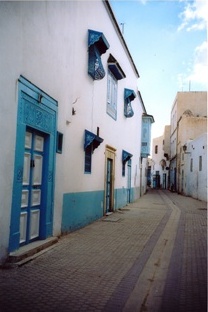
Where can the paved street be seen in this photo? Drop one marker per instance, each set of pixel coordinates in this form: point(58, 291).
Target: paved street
point(149, 256)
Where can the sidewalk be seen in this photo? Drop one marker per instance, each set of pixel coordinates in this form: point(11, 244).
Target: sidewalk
point(149, 256)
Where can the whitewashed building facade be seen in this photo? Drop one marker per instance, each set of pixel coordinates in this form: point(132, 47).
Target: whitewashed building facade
point(71, 119)
point(160, 160)
point(188, 123)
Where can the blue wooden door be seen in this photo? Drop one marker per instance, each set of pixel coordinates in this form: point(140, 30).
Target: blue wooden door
point(34, 179)
point(33, 184)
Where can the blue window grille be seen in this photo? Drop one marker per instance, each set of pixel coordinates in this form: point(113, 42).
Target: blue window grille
point(129, 95)
point(97, 45)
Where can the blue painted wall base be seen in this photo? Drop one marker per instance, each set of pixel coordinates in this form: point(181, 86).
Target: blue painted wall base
point(83, 208)
point(80, 209)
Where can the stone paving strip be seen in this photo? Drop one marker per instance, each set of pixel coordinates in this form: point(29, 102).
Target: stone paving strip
point(147, 294)
point(187, 274)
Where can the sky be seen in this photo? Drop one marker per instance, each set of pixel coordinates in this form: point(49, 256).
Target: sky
point(168, 43)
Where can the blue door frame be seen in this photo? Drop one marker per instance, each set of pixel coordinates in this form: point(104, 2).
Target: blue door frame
point(37, 111)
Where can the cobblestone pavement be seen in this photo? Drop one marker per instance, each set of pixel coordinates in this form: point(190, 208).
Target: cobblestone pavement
point(149, 256)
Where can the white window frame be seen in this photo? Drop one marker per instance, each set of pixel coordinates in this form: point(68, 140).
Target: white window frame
point(112, 85)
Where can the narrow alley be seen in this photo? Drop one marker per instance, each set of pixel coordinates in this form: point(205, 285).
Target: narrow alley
point(149, 256)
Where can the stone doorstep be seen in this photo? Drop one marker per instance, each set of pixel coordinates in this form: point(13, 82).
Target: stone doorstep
point(28, 252)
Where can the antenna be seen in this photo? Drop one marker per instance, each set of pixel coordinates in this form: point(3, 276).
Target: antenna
point(122, 28)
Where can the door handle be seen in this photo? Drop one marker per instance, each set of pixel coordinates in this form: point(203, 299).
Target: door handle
point(32, 163)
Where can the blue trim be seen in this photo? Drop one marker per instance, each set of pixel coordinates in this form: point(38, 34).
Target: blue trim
point(80, 209)
point(27, 86)
point(115, 68)
point(129, 94)
point(126, 156)
point(98, 39)
point(39, 112)
point(92, 139)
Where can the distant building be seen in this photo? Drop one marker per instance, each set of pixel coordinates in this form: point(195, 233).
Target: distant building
point(188, 123)
point(160, 160)
point(193, 164)
point(147, 121)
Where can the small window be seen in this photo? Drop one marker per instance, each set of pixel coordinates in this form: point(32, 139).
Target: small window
point(191, 165)
point(200, 163)
point(59, 142)
point(156, 149)
point(88, 159)
point(123, 169)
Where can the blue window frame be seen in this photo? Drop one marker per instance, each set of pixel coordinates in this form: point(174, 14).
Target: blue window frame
point(59, 142)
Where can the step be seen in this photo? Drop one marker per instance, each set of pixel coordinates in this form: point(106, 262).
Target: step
point(30, 251)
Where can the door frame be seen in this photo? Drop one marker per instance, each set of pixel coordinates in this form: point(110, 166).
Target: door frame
point(164, 183)
point(129, 181)
point(38, 111)
point(28, 208)
point(110, 153)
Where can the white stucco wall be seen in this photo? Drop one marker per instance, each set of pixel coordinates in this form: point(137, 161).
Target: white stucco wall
point(158, 157)
point(193, 101)
point(195, 181)
point(46, 42)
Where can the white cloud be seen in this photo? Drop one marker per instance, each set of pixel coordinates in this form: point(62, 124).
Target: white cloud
point(194, 16)
point(199, 72)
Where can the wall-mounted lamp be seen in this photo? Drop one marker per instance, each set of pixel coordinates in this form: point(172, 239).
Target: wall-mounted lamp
point(184, 149)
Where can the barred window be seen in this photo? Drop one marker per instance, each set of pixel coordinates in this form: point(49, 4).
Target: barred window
point(88, 159)
point(200, 163)
point(191, 165)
